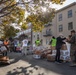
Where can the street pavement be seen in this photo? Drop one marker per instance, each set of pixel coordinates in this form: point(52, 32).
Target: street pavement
point(27, 65)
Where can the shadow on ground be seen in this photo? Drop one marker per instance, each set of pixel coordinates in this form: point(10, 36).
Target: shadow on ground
point(24, 71)
point(58, 69)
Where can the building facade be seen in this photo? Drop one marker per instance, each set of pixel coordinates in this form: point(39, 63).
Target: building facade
point(66, 19)
point(63, 22)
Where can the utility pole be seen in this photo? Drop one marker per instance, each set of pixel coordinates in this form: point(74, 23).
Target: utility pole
point(31, 36)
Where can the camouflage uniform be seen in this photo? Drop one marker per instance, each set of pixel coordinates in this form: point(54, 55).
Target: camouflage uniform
point(73, 48)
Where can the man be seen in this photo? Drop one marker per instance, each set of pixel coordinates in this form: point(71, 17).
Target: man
point(6, 43)
point(24, 46)
point(73, 48)
point(59, 44)
point(37, 42)
point(53, 42)
point(15, 42)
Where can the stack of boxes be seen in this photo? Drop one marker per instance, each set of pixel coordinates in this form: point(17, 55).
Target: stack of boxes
point(4, 58)
point(64, 53)
point(38, 52)
point(51, 57)
point(63, 56)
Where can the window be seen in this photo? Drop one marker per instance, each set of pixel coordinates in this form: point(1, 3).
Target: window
point(34, 36)
point(70, 25)
point(47, 41)
point(69, 13)
point(37, 35)
point(60, 28)
point(46, 31)
point(49, 30)
point(60, 17)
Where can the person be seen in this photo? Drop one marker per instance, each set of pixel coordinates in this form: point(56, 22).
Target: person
point(73, 48)
point(53, 45)
point(59, 44)
point(15, 44)
point(24, 46)
point(38, 42)
point(68, 44)
point(6, 43)
point(53, 42)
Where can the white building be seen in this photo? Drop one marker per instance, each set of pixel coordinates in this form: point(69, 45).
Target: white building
point(63, 22)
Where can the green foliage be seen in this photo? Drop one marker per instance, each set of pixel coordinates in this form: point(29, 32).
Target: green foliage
point(17, 30)
point(57, 1)
point(14, 12)
point(37, 25)
point(24, 26)
point(10, 31)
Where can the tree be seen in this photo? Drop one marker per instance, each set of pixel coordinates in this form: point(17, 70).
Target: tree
point(13, 11)
point(34, 20)
point(17, 30)
point(41, 13)
point(7, 6)
point(10, 31)
point(38, 20)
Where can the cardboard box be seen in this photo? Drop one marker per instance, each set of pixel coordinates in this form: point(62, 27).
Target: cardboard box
point(50, 57)
point(44, 54)
point(64, 47)
point(65, 58)
point(53, 48)
point(54, 52)
point(4, 58)
point(64, 52)
point(38, 52)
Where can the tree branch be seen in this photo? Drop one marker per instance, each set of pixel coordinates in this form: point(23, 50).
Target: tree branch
point(7, 13)
point(8, 7)
point(1, 2)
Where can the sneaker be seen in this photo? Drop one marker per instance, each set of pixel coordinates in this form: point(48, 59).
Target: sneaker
point(60, 61)
point(57, 62)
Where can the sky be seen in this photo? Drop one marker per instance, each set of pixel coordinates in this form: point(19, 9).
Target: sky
point(67, 2)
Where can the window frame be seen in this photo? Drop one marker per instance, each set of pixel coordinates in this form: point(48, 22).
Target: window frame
point(60, 28)
point(60, 17)
point(70, 14)
point(70, 25)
